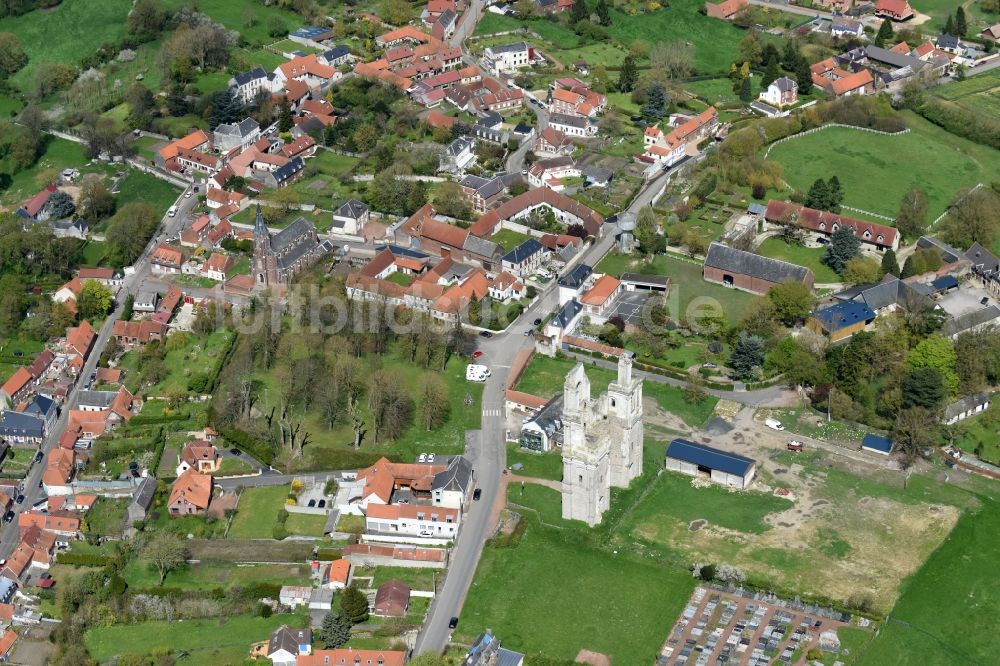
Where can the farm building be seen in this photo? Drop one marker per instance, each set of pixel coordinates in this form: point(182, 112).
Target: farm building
point(727, 469)
point(876, 444)
point(841, 321)
point(750, 272)
point(966, 407)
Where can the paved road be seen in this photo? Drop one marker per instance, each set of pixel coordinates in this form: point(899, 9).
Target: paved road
point(32, 489)
point(515, 161)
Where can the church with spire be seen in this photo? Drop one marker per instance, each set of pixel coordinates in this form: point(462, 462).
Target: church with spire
point(278, 258)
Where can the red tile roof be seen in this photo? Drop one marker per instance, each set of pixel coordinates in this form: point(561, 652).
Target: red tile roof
point(17, 382)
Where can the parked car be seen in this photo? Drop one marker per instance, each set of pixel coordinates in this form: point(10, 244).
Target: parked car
point(538, 321)
point(709, 365)
point(39, 456)
point(425, 533)
point(9, 516)
point(485, 334)
point(477, 494)
point(422, 458)
point(530, 331)
point(477, 354)
point(452, 623)
point(321, 504)
point(311, 503)
point(235, 452)
point(794, 445)
point(774, 424)
point(20, 498)
point(430, 457)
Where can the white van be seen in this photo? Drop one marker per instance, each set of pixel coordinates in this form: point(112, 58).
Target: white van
point(774, 424)
point(476, 373)
point(172, 211)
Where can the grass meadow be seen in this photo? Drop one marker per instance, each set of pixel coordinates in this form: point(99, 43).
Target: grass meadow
point(876, 171)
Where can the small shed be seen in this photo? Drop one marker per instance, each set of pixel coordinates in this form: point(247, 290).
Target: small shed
point(722, 467)
point(876, 444)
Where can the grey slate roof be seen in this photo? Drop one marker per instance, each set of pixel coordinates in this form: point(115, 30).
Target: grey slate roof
point(99, 399)
point(730, 259)
point(285, 238)
point(490, 188)
point(948, 253)
point(16, 424)
point(458, 146)
point(40, 406)
point(513, 47)
point(458, 476)
point(785, 84)
point(351, 208)
point(576, 277)
point(337, 52)
point(982, 259)
point(286, 638)
point(246, 77)
point(568, 120)
point(971, 320)
point(947, 41)
point(524, 251)
point(285, 172)
point(965, 404)
point(480, 246)
point(566, 313)
point(893, 59)
point(243, 128)
point(143, 495)
point(699, 454)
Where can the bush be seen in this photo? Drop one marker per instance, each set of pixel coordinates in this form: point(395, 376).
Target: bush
point(83, 559)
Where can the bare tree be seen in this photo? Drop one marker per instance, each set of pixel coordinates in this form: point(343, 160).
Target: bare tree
point(434, 405)
point(391, 406)
point(674, 58)
point(165, 552)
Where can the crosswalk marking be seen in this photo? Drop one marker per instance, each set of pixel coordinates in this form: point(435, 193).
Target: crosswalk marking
point(492, 412)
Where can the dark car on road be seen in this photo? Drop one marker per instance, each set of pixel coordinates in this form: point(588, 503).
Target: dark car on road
point(20, 498)
point(235, 452)
point(538, 321)
point(39, 456)
point(485, 334)
point(452, 623)
point(477, 494)
point(9, 516)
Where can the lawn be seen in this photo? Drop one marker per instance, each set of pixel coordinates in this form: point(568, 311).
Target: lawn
point(418, 579)
point(107, 516)
point(58, 154)
point(198, 356)
point(947, 612)
point(402, 279)
point(689, 294)
point(536, 609)
point(509, 239)
point(814, 424)
point(305, 524)
point(876, 171)
point(234, 467)
point(66, 33)
point(140, 186)
point(9, 106)
point(777, 248)
point(715, 91)
point(544, 377)
point(980, 437)
point(551, 31)
point(715, 42)
point(980, 93)
point(542, 465)
point(209, 575)
point(673, 495)
point(257, 512)
point(253, 21)
point(332, 164)
point(208, 642)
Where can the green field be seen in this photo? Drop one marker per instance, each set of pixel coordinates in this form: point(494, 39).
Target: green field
point(208, 575)
point(208, 642)
point(876, 171)
point(305, 524)
point(673, 495)
point(524, 595)
point(58, 155)
point(686, 285)
point(107, 516)
point(257, 512)
point(715, 91)
point(140, 186)
point(509, 238)
point(550, 31)
point(947, 613)
point(66, 33)
point(776, 248)
point(541, 465)
point(980, 93)
point(715, 42)
point(237, 16)
point(198, 356)
point(545, 376)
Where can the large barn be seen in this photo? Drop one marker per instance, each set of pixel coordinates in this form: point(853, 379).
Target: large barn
point(724, 468)
point(750, 272)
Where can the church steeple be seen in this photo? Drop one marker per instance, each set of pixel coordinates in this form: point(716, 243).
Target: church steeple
point(260, 231)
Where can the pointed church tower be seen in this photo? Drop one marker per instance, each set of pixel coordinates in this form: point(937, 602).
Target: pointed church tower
point(261, 251)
